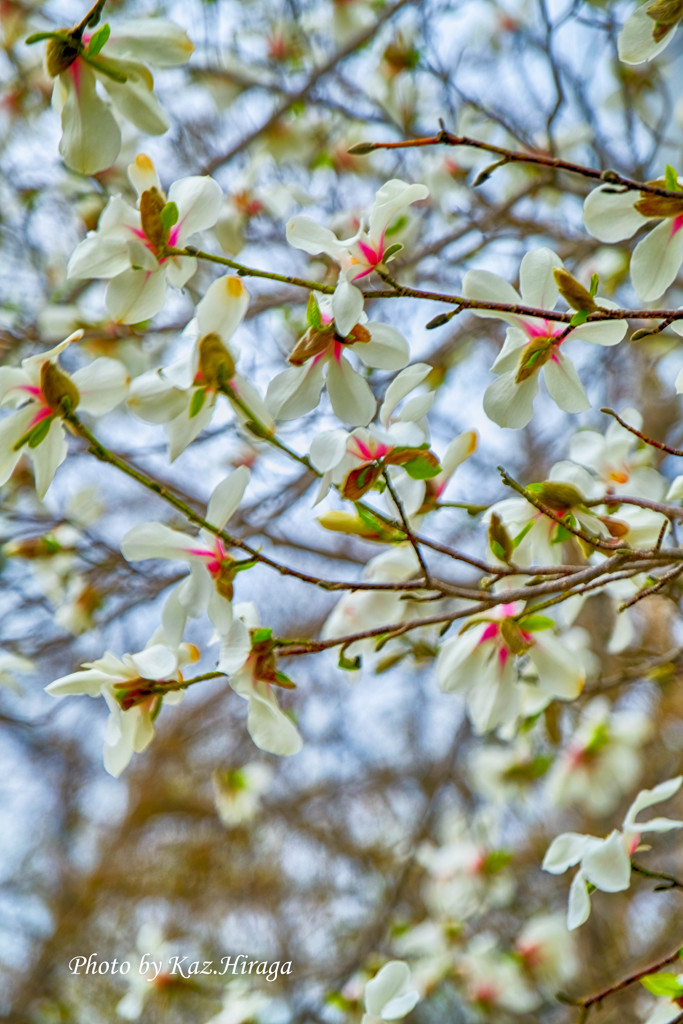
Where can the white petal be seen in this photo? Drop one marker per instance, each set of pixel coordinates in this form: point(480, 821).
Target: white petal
point(48, 457)
point(563, 384)
point(227, 496)
point(142, 174)
point(352, 400)
point(484, 286)
point(136, 295)
point(402, 385)
point(155, 41)
point(537, 283)
point(386, 350)
point(579, 902)
point(199, 201)
point(328, 449)
point(223, 308)
point(656, 260)
point(91, 139)
point(155, 540)
point(347, 307)
point(385, 986)
point(607, 865)
point(510, 404)
point(635, 39)
point(395, 195)
point(156, 662)
point(101, 386)
point(560, 673)
point(304, 233)
point(610, 216)
point(565, 851)
point(296, 390)
point(134, 99)
point(648, 797)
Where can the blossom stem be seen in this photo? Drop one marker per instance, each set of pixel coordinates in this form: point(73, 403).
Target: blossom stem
point(643, 437)
point(631, 979)
point(406, 527)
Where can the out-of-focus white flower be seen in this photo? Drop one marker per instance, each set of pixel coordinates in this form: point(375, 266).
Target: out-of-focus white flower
point(494, 981)
point(77, 60)
point(130, 244)
point(42, 393)
point(150, 942)
point(10, 665)
point(547, 951)
point(241, 1005)
point(237, 793)
point(606, 863)
point(602, 760)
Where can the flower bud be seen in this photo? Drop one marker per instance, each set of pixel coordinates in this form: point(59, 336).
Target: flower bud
point(152, 203)
point(313, 343)
point(534, 355)
point(215, 362)
point(59, 391)
point(358, 336)
point(515, 639)
point(573, 292)
point(659, 206)
point(60, 54)
point(665, 12)
point(557, 495)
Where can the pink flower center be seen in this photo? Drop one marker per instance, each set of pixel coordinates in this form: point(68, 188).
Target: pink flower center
point(213, 559)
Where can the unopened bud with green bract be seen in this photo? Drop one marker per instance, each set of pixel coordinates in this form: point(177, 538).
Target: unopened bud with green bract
point(556, 495)
point(514, 638)
point(665, 14)
point(59, 391)
point(533, 357)
point(573, 292)
point(500, 541)
point(215, 362)
point(152, 202)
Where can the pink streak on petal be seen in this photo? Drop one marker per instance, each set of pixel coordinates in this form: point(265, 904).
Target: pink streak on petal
point(372, 256)
point(337, 351)
point(173, 234)
point(489, 633)
point(503, 655)
point(676, 225)
point(31, 389)
point(363, 273)
point(75, 71)
point(508, 610)
point(41, 415)
point(201, 552)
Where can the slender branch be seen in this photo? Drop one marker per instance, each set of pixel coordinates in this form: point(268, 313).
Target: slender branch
point(406, 527)
point(631, 979)
point(446, 138)
point(643, 437)
point(669, 881)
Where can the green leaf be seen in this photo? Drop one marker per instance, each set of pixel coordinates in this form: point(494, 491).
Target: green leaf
point(259, 635)
point(671, 178)
point(313, 314)
point(595, 280)
point(516, 541)
point(39, 433)
point(98, 39)
point(421, 469)
point(284, 681)
point(496, 861)
point(664, 984)
point(391, 251)
point(168, 216)
point(197, 403)
point(533, 623)
point(579, 318)
point(105, 67)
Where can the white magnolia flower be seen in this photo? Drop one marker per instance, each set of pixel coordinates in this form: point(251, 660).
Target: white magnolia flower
point(150, 942)
point(42, 392)
point(621, 464)
point(372, 245)
point(649, 30)
point(602, 761)
point(91, 138)
point(614, 215)
point(10, 665)
point(482, 663)
point(125, 686)
point(209, 586)
point(389, 996)
point(547, 951)
point(337, 325)
point(606, 863)
point(129, 245)
point(469, 871)
point(183, 396)
point(533, 344)
point(494, 981)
